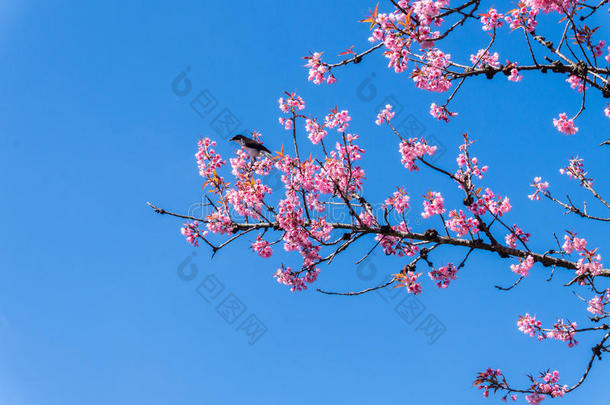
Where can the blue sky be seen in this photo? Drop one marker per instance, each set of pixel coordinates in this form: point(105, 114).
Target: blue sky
point(92, 307)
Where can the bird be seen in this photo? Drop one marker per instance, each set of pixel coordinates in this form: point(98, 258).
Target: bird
point(252, 147)
point(606, 142)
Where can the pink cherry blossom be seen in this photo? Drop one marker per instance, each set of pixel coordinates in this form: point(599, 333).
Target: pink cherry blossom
point(484, 57)
point(572, 243)
point(208, 161)
point(540, 187)
point(434, 204)
point(431, 75)
point(409, 281)
point(459, 223)
point(385, 115)
point(514, 75)
point(399, 201)
point(262, 247)
point(444, 275)
point(517, 234)
point(441, 113)
point(292, 103)
point(192, 233)
point(564, 332)
point(316, 131)
point(565, 125)
point(413, 149)
point(524, 266)
point(338, 119)
point(576, 83)
point(530, 326)
point(317, 70)
point(492, 19)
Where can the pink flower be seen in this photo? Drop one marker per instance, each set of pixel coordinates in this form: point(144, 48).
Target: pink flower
point(492, 19)
point(338, 120)
point(286, 276)
point(262, 247)
point(572, 243)
point(220, 223)
point(413, 149)
point(575, 170)
point(511, 238)
point(441, 113)
point(565, 125)
point(431, 75)
point(607, 109)
point(444, 275)
point(530, 326)
point(409, 281)
point(596, 305)
point(434, 204)
point(524, 266)
point(192, 233)
point(385, 115)
point(514, 75)
point(589, 264)
point(540, 188)
point(484, 57)
point(598, 50)
point(546, 6)
point(207, 158)
point(318, 70)
point(522, 17)
point(564, 332)
point(399, 201)
point(576, 83)
point(316, 131)
point(286, 122)
point(292, 103)
point(463, 226)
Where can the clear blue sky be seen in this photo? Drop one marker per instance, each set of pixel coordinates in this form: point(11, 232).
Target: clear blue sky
point(92, 310)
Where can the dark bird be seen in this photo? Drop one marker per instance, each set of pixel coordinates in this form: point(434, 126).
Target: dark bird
point(606, 142)
point(252, 147)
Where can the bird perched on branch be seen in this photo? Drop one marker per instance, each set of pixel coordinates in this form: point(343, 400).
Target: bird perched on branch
point(252, 147)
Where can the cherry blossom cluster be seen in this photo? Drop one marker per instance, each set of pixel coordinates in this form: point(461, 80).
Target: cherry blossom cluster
point(434, 204)
point(297, 282)
point(338, 119)
point(516, 234)
point(318, 72)
point(541, 188)
point(489, 202)
point(192, 233)
point(290, 105)
point(413, 149)
point(565, 124)
point(262, 247)
point(462, 225)
point(408, 280)
point(575, 170)
point(523, 267)
point(576, 83)
point(441, 113)
point(492, 19)
point(385, 115)
point(208, 161)
point(562, 331)
point(316, 131)
point(597, 303)
point(399, 201)
point(444, 275)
